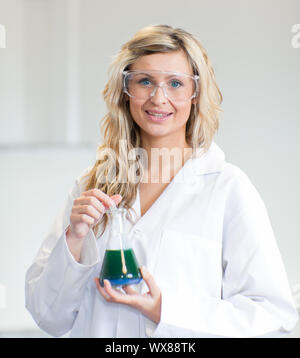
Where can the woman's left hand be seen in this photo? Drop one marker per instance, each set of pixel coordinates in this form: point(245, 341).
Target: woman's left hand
point(149, 303)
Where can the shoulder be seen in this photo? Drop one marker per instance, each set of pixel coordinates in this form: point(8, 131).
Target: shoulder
point(81, 181)
point(236, 177)
point(84, 174)
point(235, 174)
point(229, 178)
point(241, 194)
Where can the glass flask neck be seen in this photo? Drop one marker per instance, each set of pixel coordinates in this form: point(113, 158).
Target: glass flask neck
point(116, 228)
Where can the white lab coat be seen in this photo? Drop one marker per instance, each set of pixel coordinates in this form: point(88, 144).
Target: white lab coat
point(209, 244)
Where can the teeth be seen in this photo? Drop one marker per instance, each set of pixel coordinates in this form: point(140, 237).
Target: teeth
point(157, 114)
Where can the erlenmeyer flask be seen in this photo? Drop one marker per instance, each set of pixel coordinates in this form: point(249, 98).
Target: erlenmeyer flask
point(119, 265)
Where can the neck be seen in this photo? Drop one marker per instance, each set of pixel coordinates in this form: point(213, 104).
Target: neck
point(166, 155)
point(170, 143)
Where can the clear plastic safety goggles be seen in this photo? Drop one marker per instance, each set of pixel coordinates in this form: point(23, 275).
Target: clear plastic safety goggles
point(177, 87)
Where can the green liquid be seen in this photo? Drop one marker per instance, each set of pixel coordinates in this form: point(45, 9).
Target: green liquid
point(112, 268)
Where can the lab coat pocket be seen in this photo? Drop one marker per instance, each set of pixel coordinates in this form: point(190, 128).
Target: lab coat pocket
point(189, 263)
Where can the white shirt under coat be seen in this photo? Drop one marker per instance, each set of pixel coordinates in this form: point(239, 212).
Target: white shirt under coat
point(209, 244)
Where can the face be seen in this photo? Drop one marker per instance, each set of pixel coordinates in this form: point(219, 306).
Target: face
point(171, 128)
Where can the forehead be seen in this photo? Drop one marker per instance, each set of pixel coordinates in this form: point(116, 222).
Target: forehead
point(167, 61)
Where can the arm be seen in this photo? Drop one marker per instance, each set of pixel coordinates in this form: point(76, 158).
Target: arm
point(55, 282)
point(255, 299)
point(74, 245)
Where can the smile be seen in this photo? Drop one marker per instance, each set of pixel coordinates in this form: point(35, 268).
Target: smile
point(158, 117)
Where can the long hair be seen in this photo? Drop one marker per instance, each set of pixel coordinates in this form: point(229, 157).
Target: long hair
point(112, 161)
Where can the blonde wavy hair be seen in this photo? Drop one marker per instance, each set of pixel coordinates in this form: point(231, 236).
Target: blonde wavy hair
point(118, 125)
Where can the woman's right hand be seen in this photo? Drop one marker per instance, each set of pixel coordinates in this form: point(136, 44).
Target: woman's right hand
point(88, 210)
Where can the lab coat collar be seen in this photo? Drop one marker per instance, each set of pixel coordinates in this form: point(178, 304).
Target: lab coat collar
point(208, 162)
point(205, 162)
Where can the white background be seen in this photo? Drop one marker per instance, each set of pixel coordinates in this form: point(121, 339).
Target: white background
point(53, 70)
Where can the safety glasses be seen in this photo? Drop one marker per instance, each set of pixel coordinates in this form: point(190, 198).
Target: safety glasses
point(177, 87)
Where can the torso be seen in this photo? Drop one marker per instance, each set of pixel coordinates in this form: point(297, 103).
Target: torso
point(149, 193)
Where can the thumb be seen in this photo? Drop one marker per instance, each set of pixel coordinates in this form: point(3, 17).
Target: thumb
point(116, 198)
point(148, 278)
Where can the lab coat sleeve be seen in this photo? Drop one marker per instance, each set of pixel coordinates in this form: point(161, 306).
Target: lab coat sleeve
point(256, 300)
point(55, 282)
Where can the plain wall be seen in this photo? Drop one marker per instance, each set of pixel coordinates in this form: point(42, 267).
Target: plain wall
point(52, 73)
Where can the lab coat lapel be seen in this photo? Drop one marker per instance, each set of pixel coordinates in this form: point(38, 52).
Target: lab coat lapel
point(188, 179)
point(209, 162)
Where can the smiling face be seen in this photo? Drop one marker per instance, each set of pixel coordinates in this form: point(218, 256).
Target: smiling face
point(158, 117)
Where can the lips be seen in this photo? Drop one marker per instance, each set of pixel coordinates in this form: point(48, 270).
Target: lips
point(158, 116)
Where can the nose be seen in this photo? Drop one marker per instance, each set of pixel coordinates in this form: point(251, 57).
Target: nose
point(158, 95)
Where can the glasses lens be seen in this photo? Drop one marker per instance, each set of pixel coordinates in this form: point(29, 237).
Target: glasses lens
point(176, 87)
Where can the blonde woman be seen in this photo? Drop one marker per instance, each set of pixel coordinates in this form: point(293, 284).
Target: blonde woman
point(211, 266)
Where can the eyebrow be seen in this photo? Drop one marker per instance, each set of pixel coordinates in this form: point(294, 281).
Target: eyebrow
point(152, 76)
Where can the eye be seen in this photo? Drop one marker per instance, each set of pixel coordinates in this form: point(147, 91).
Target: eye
point(144, 81)
point(175, 83)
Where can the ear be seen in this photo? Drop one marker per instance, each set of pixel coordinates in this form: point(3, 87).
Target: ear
point(195, 100)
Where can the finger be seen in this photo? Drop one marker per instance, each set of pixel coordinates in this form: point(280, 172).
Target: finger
point(82, 218)
point(88, 210)
point(146, 294)
point(104, 198)
point(101, 289)
point(148, 278)
point(115, 295)
point(129, 290)
point(90, 200)
point(116, 198)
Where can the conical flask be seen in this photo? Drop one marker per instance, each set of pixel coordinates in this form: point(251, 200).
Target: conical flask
point(119, 265)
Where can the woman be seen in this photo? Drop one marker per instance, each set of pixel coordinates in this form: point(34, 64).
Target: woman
point(213, 266)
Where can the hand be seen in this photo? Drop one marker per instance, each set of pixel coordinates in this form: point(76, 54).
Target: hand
point(149, 303)
point(88, 210)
